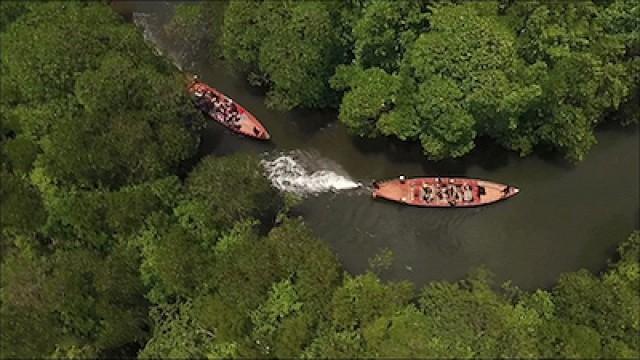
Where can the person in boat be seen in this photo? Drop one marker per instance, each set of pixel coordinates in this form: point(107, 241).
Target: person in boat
point(438, 190)
point(451, 191)
point(221, 106)
point(507, 190)
point(216, 105)
point(227, 103)
point(442, 194)
point(227, 116)
point(208, 98)
point(232, 118)
point(457, 194)
point(428, 192)
point(256, 131)
point(233, 113)
point(467, 194)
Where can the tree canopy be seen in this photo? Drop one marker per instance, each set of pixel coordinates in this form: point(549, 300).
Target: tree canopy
point(292, 47)
point(527, 74)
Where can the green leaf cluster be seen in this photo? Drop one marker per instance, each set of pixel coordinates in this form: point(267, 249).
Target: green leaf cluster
point(292, 47)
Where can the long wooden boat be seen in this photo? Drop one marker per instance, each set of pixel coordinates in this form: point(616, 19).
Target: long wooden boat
point(242, 122)
point(443, 192)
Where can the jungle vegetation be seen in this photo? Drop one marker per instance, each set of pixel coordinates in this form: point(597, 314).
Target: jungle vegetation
point(527, 74)
point(113, 245)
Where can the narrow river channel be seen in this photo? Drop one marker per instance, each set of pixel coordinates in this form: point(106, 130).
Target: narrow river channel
point(566, 217)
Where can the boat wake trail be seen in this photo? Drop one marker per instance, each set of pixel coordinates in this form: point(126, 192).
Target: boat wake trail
point(152, 32)
point(303, 174)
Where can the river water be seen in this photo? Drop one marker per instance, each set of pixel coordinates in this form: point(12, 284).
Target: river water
point(566, 217)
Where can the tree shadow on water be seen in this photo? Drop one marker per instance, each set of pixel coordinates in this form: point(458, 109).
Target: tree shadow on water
point(487, 155)
point(394, 150)
point(309, 122)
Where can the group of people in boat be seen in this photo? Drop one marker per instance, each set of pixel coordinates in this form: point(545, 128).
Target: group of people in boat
point(219, 107)
point(447, 192)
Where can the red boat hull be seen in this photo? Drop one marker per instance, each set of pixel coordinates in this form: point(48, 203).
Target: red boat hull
point(443, 192)
point(247, 124)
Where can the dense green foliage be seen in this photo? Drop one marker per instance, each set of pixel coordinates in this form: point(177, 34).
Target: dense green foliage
point(196, 26)
point(290, 46)
point(106, 252)
point(527, 74)
point(94, 127)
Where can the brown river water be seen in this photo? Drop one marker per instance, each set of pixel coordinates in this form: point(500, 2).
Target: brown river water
point(566, 217)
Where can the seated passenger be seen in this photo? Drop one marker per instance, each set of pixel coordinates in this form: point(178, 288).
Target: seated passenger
point(451, 190)
point(467, 193)
point(458, 195)
point(428, 193)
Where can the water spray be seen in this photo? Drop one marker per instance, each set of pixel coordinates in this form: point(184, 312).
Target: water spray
point(288, 173)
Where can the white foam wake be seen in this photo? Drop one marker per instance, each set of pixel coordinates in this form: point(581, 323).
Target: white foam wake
point(287, 173)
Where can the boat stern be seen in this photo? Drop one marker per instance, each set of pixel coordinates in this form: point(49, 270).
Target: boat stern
point(391, 190)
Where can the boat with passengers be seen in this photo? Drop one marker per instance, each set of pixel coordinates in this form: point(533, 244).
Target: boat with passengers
point(443, 192)
point(225, 111)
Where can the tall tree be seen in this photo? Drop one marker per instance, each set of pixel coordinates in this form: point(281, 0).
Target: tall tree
point(221, 191)
point(292, 47)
